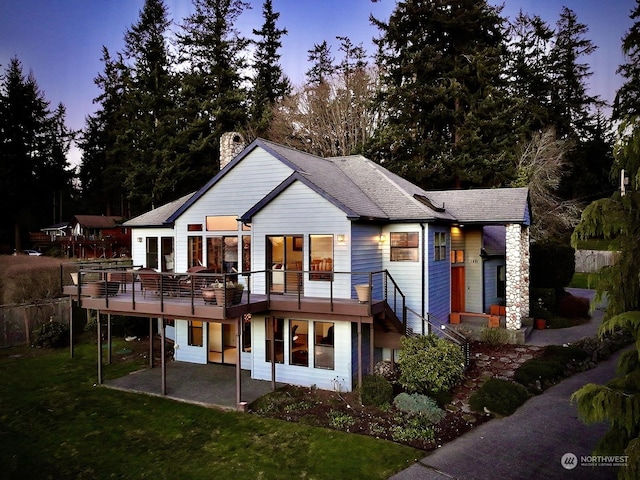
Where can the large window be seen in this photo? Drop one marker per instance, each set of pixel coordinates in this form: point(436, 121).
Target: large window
point(321, 257)
point(194, 251)
point(439, 246)
point(299, 338)
point(222, 254)
point(195, 334)
point(323, 345)
point(246, 253)
point(404, 246)
point(275, 330)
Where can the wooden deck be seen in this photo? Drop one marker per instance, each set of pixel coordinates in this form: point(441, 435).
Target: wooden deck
point(193, 307)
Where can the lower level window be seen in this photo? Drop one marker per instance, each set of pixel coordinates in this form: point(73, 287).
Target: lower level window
point(299, 342)
point(275, 330)
point(195, 334)
point(323, 345)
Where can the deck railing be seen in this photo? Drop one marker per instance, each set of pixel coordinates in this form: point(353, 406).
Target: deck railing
point(115, 279)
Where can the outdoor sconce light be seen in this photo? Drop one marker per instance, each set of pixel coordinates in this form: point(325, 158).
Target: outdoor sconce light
point(383, 238)
point(139, 239)
point(340, 238)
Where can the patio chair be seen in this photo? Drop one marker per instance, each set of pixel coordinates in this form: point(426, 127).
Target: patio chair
point(149, 281)
point(189, 281)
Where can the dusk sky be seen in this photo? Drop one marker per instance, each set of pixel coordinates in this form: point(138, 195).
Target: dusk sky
point(60, 41)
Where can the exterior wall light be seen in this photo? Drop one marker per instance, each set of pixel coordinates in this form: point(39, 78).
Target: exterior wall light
point(139, 239)
point(383, 238)
point(340, 238)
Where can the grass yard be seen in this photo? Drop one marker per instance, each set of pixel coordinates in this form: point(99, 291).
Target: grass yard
point(55, 423)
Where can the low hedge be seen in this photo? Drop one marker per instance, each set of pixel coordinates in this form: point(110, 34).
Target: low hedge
point(498, 396)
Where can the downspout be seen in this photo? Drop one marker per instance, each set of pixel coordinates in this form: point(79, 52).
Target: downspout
point(424, 278)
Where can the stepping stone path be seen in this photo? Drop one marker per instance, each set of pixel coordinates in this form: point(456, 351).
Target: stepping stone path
point(501, 363)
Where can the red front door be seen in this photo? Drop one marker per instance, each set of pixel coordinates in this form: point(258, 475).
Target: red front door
point(457, 289)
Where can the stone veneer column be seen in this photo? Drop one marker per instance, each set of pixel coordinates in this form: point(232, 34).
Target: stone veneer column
point(517, 273)
point(524, 286)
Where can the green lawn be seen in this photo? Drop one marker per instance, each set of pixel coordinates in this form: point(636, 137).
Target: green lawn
point(55, 423)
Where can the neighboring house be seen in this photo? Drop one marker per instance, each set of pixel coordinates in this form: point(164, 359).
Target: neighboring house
point(86, 236)
point(301, 232)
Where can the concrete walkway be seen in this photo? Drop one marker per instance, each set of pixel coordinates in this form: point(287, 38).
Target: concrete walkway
point(530, 443)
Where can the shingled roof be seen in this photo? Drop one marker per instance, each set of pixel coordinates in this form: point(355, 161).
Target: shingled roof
point(158, 216)
point(365, 191)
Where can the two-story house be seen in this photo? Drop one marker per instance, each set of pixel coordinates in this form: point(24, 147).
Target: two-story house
point(300, 232)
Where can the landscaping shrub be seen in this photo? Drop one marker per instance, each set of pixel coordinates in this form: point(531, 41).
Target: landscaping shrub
point(414, 428)
point(376, 390)
point(570, 306)
point(51, 335)
point(417, 404)
point(429, 364)
point(494, 336)
point(546, 371)
point(552, 265)
point(542, 301)
point(550, 368)
point(499, 396)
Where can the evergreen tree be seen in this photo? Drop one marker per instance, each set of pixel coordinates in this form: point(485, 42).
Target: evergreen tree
point(322, 64)
point(575, 111)
point(149, 105)
point(528, 72)
point(33, 165)
point(270, 83)
point(617, 218)
point(104, 154)
point(442, 93)
point(572, 106)
point(213, 100)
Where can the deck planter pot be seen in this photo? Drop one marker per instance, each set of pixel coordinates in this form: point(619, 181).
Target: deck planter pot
point(362, 291)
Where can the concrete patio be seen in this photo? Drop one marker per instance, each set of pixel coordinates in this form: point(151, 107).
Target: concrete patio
point(209, 385)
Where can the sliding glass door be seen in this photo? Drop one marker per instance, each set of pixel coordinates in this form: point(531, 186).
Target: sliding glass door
point(285, 260)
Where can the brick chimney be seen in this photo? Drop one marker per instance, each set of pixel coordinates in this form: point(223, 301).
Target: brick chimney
point(231, 144)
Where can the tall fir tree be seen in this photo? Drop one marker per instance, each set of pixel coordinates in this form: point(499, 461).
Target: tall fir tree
point(616, 218)
point(213, 98)
point(150, 176)
point(34, 170)
point(573, 107)
point(528, 72)
point(270, 84)
point(575, 110)
point(442, 91)
point(104, 151)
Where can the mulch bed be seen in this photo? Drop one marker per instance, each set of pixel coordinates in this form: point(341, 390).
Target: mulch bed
point(318, 407)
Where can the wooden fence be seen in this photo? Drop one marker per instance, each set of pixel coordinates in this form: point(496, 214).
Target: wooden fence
point(18, 323)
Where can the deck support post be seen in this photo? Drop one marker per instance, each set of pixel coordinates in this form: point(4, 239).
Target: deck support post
point(359, 354)
point(99, 328)
point(163, 361)
point(150, 342)
point(109, 343)
point(272, 348)
point(240, 406)
point(371, 349)
point(71, 327)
